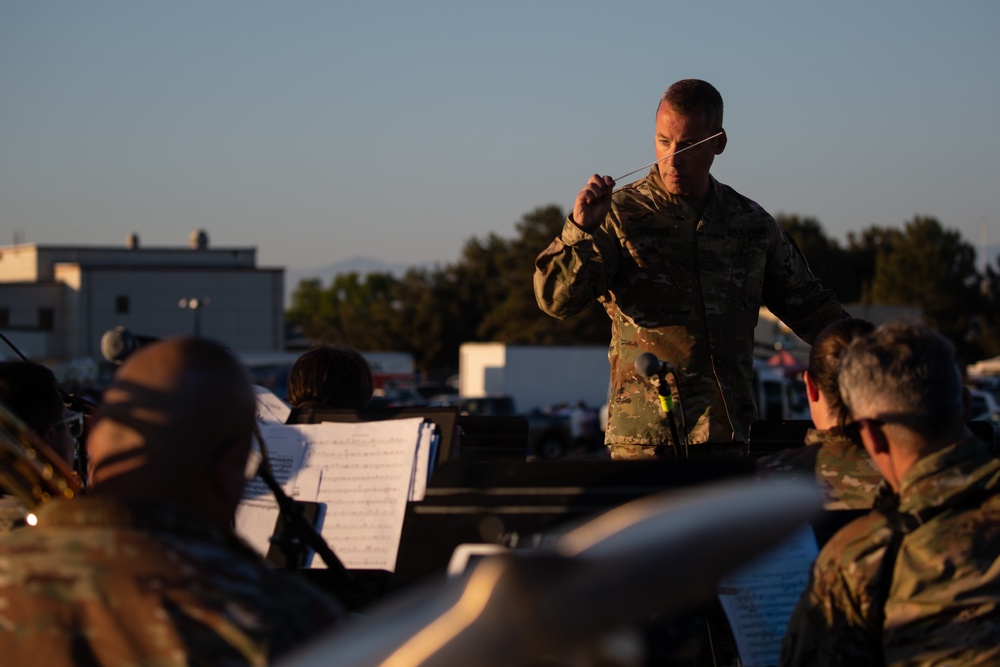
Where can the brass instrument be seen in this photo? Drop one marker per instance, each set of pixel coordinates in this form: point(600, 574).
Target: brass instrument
point(29, 468)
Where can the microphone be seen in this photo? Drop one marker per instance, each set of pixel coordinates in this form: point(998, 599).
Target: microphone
point(647, 365)
point(118, 343)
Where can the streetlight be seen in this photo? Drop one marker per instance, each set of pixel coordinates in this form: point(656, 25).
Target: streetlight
point(195, 304)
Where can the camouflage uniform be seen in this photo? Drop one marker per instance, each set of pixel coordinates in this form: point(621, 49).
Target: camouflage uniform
point(843, 469)
point(690, 292)
point(99, 582)
point(944, 590)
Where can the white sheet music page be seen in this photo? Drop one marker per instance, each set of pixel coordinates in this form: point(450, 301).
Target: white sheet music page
point(426, 453)
point(367, 470)
point(270, 408)
point(759, 599)
point(258, 510)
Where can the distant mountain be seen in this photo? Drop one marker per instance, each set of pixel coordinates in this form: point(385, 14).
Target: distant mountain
point(360, 265)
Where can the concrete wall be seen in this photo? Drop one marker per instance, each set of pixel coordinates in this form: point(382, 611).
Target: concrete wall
point(23, 303)
point(19, 264)
point(87, 287)
point(244, 311)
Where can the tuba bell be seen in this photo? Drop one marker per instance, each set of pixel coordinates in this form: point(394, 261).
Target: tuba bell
point(29, 468)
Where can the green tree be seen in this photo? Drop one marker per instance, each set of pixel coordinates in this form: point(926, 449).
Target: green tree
point(429, 321)
point(862, 254)
point(987, 334)
point(308, 309)
point(352, 311)
point(931, 267)
point(516, 317)
point(825, 256)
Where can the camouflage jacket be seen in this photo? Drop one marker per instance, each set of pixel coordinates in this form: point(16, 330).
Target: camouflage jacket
point(98, 582)
point(942, 605)
point(12, 512)
point(843, 469)
point(688, 290)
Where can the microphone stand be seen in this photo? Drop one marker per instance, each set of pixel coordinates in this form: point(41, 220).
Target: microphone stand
point(300, 534)
point(667, 404)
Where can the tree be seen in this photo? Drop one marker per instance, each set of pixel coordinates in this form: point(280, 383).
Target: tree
point(516, 318)
point(308, 309)
point(486, 295)
point(429, 322)
point(862, 256)
point(825, 256)
point(987, 334)
point(352, 311)
point(935, 269)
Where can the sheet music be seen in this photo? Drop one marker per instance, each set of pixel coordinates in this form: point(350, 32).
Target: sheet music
point(367, 469)
point(258, 510)
point(363, 473)
point(426, 452)
point(759, 599)
point(270, 408)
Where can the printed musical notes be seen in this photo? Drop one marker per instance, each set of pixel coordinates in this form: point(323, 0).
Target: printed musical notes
point(363, 473)
point(759, 599)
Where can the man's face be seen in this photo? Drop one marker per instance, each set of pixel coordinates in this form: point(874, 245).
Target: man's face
point(685, 174)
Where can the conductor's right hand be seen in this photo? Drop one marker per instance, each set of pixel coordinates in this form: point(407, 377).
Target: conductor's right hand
point(593, 203)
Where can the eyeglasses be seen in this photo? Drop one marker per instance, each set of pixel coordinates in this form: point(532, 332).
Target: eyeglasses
point(73, 423)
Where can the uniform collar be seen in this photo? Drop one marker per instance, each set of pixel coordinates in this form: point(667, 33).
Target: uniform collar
point(949, 474)
point(717, 205)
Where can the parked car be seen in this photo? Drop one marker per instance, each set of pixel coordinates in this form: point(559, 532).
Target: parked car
point(985, 407)
point(549, 434)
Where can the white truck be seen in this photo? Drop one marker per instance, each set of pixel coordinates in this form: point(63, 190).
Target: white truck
point(533, 380)
point(537, 377)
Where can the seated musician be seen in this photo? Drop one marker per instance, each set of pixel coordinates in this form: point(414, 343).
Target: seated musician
point(146, 569)
point(916, 582)
point(841, 467)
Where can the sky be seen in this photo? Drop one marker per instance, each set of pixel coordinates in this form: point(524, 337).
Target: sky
point(322, 131)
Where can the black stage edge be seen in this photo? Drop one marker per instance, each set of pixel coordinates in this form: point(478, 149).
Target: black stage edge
point(515, 503)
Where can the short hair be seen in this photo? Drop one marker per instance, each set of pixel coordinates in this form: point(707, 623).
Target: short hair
point(904, 373)
point(330, 376)
point(825, 359)
point(31, 392)
point(690, 95)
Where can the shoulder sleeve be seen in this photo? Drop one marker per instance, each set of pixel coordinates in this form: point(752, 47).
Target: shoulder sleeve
point(793, 293)
point(574, 270)
point(829, 625)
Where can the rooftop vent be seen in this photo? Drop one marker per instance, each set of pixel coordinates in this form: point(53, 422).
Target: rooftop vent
point(198, 240)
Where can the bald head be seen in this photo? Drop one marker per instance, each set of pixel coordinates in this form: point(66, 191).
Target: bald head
point(175, 426)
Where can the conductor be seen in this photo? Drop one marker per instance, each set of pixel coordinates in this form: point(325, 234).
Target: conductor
point(682, 265)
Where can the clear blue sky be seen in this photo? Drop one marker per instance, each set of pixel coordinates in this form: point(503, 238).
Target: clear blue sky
point(319, 131)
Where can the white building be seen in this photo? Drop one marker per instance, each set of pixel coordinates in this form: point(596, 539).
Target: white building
point(57, 301)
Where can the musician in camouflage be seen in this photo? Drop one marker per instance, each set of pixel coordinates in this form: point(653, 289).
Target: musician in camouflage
point(146, 569)
point(681, 264)
point(840, 465)
point(918, 582)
